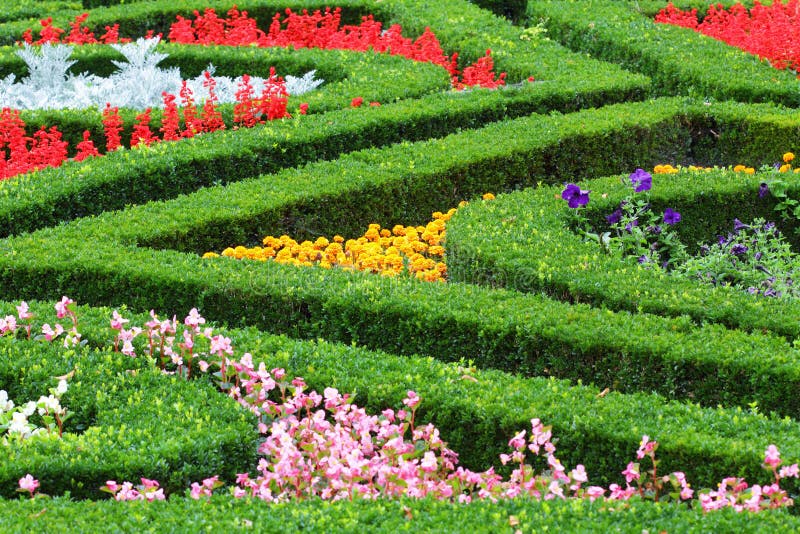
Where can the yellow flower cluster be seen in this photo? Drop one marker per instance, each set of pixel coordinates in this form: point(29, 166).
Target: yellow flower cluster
point(415, 250)
point(669, 169)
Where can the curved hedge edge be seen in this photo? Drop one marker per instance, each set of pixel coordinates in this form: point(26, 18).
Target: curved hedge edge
point(478, 411)
point(523, 242)
point(224, 513)
point(679, 60)
point(165, 170)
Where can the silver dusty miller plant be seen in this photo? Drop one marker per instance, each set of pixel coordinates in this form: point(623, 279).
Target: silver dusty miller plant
point(138, 82)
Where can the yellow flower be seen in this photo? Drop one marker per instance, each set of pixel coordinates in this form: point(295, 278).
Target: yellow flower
point(739, 168)
point(788, 157)
point(488, 196)
point(209, 255)
point(785, 168)
point(750, 170)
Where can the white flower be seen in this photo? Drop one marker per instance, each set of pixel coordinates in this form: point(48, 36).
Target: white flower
point(19, 424)
point(61, 388)
point(5, 404)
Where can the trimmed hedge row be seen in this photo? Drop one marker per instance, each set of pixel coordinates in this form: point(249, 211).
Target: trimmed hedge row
point(229, 515)
point(347, 74)
point(477, 411)
point(679, 60)
point(165, 170)
point(523, 242)
point(130, 423)
point(506, 330)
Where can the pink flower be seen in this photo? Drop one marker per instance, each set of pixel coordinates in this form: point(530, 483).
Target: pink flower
point(429, 463)
point(412, 399)
point(194, 319)
point(49, 333)
point(221, 344)
point(62, 309)
point(518, 441)
point(789, 471)
point(595, 492)
point(22, 311)
point(631, 472)
point(579, 474)
point(117, 321)
point(645, 447)
point(772, 457)
point(29, 484)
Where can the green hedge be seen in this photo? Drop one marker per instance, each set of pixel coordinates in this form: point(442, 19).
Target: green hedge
point(223, 513)
point(477, 411)
point(506, 330)
point(679, 60)
point(538, 252)
point(168, 169)
point(130, 422)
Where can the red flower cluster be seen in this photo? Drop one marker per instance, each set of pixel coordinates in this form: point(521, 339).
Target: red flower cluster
point(324, 30)
point(78, 33)
point(298, 30)
point(20, 154)
point(771, 32)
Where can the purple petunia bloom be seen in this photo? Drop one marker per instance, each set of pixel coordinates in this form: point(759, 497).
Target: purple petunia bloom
point(641, 180)
point(763, 189)
point(614, 217)
point(575, 196)
point(738, 249)
point(738, 225)
point(630, 225)
point(671, 216)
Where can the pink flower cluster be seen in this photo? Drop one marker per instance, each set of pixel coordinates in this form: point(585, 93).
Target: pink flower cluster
point(64, 308)
point(148, 490)
point(325, 446)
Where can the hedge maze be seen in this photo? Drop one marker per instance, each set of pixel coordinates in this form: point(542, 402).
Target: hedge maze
point(541, 321)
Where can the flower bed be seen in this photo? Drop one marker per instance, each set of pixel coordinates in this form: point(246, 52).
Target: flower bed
point(527, 306)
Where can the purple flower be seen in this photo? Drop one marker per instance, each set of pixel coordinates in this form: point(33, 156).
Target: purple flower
point(671, 216)
point(642, 259)
point(654, 229)
point(630, 225)
point(738, 249)
point(641, 180)
point(763, 189)
point(575, 196)
point(614, 217)
point(738, 225)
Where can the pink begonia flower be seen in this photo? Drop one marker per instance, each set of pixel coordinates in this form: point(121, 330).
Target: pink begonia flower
point(8, 324)
point(49, 333)
point(687, 493)
point(518, 441)
point(194, 319)
point(117, 321)
point(28, 483)
point(772, 457)
point(62, 307)
point(789, 471)
point(112, 486)
point(429, 463)
point(645, 447)
point(412, 399)
point(595, 492)
point(278, 373)
point(579, 474)
point(22, 311)
point(631, 472)
point(220, 344)
point(204, 365)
